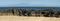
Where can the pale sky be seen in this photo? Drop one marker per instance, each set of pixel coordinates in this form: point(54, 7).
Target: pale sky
point(43, 3)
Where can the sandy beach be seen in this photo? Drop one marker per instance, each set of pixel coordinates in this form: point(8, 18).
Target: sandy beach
point(21, 18)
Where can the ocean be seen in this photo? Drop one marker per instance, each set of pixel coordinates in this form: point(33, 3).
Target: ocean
point(33, 8)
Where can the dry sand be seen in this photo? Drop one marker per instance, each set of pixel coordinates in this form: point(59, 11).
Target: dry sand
point(21, 18)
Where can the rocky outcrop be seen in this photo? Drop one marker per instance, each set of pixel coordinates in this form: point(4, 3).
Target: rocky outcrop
point(35, 13)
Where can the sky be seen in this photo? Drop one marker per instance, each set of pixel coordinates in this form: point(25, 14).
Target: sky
point(42, 3)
